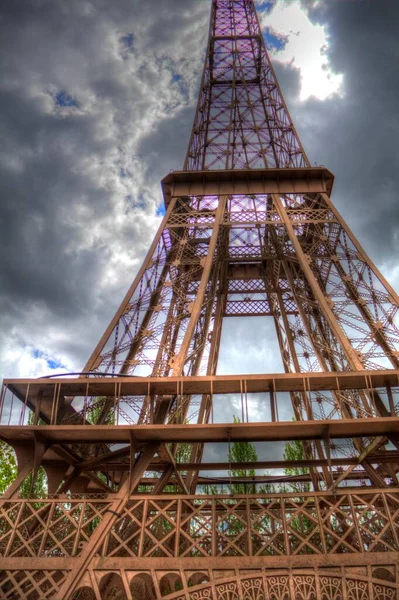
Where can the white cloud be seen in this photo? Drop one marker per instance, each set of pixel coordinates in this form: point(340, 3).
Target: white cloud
point(89, 187)
point(25, 361)
point(306, 49)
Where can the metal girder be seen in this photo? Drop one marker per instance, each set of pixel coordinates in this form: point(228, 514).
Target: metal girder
point(29, 389)
point(119, 502)
point(198, 563)
point(305, 180)
point(215, 432)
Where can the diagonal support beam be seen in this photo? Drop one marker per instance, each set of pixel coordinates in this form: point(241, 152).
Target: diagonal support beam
point(376, 443)
point(94, 359)
point(163, 480)
point(181, 357)
point(350, 353)
point(176, 472)
point(91, 463)
point(120, 500)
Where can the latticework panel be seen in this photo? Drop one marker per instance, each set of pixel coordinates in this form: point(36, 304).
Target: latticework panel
point(206, 526)
point(30, 585)
point(254, 526)
point(241, 120)
point(152, 327)
point(34, 528)
point(286, 256)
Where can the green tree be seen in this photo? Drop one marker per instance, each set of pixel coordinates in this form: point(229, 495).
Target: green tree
point(294, 451)
point(101, 411)
point(235, 525)
point(8, 466)
point(9, 471)
point(242, 452)
point(211, 489)
point(34, 489)
point(182, 454)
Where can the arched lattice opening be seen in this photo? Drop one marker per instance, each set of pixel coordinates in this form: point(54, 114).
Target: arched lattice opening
point(142, 587)
point(84, 593)
point(111, 587)
point(197, 579)
point(384, 574)
point(170, 583)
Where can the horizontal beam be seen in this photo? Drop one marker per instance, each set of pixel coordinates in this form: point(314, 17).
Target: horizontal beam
point(247, 562)
point(385, 457)
point(258, 479)
point(223, 432)
point(206, 384)
point(217, 38)
point(350, 495)
point(229, 562)
point(247, 181)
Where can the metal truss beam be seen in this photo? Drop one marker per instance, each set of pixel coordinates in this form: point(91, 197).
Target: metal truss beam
point(247, 181)
point(274, 431)
point(31, 389)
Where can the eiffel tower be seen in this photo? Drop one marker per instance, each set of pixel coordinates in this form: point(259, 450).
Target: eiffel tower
point(249, 231)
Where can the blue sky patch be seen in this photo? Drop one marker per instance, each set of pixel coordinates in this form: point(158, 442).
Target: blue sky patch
point(51, 362)
point(161, 210)
point(136, 201)
point(128, 203)
point(64, 99)
point(54, 364)
point(176, 78)
point(127, 40)
point(265, 5)
point(273, 40)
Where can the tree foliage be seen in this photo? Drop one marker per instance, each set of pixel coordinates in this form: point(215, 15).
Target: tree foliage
point(101, 411)
point(8, 466)
point(9, 471)
point(294, 451)
point(241, 452)
point(34, 489)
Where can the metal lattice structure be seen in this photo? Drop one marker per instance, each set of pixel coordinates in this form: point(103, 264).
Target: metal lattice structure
point(249, 230)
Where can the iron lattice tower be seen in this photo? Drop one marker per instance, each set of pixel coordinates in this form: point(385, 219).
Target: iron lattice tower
point(249, 230)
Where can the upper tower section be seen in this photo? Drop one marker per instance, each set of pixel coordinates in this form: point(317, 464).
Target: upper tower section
point(242, 121)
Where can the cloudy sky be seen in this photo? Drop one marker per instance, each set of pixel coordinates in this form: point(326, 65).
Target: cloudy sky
point(97, 100)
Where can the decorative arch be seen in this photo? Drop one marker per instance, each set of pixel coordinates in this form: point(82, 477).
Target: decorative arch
point(197, 579)
point(170, 583)
point(298, 585)
point(84, 593)
point(383, 573)
point(142, 587)
point(112, 588)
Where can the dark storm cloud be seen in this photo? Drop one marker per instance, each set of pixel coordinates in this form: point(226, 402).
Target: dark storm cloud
point(357, 137)
point(289, 78)
point(80, 84)
point(165, 148)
